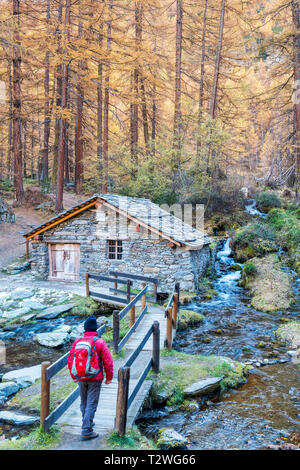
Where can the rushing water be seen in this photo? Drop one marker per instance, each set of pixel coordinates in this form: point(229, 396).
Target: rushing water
point(266, 410)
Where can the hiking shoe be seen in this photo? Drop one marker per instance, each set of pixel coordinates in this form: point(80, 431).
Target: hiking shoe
point(90, 436)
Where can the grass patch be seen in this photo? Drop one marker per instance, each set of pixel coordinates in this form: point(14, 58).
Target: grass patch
point(132, 440)
point(36, 440)
point(179, 370)
point(124, 328)
point(84, 306)
point(30, 398)
point(205, 287)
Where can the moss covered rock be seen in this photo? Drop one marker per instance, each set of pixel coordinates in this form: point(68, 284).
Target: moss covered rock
point(168, 439)
point(289, 333)
point(188, 318)
point(86, 306)
point(269, 287)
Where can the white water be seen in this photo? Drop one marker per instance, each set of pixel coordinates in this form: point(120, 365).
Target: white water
point(223, 254)
point(252, 210)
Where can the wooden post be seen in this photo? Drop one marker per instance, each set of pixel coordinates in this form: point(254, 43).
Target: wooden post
point(116, 331)
point(27, 249)
point(177, 289)
point(155, 349)
point(128, 290)
point(144, 296)
point(155, 291)
point(132, 313)
point(87, 287)
point(175, 310)
point(169, 328)
point(45, 395)
point(122, 401)
point(116, 284)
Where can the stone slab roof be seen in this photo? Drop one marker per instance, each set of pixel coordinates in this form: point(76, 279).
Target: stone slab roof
point(143, 210)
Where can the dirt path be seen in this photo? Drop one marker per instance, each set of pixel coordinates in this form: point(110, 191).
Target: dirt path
point(12, 242)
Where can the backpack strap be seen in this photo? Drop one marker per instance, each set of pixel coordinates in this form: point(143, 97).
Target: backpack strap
point(95, 339)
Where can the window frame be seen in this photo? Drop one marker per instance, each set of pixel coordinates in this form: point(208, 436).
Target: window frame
point(114, 250)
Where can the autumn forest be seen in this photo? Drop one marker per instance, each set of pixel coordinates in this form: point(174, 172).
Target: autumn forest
point(161, 99)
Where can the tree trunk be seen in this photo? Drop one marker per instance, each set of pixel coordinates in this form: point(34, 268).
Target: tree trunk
point(106, 111)
point(63, 122)
point(17, 143)
point(145, 115)
point(213, 103)
point(58, 99)
point(177, 133)
point(177, 109)
point(100, 113)
point(10, 120)
point(202, 73)
point(296, 20)
point(78, 133)
point(45, 167)
point(218, 62)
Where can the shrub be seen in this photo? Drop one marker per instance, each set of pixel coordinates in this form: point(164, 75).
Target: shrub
point(286, 225)
point(249, 268)
point(267, 200)
point(255, 239)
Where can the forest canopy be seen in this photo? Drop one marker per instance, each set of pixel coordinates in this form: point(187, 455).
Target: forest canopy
point(160, 99)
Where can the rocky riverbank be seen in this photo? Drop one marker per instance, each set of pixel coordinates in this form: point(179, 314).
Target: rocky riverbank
point(185, 381)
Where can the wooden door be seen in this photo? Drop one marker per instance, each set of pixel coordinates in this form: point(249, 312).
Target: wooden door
point(64, 261)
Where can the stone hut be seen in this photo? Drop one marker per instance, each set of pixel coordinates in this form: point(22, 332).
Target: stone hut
point(109, 232)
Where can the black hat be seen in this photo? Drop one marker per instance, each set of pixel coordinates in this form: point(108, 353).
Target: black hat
point(90, 324)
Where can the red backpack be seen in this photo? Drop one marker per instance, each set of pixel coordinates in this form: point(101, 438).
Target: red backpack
point(86, 364)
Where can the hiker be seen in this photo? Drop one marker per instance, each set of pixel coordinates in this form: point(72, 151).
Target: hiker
point(87, 357)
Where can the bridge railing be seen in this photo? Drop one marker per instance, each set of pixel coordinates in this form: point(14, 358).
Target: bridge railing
point(134, 277)
point(134, 322)
point(100, 295)
point(124, 400)
point(171, 314)
point(49, 370)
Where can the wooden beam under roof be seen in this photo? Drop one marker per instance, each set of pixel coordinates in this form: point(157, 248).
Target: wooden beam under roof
point(65, 216)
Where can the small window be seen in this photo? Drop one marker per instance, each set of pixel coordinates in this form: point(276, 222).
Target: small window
point(114, 249)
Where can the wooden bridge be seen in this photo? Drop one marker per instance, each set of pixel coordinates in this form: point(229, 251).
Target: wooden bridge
point(150, 331)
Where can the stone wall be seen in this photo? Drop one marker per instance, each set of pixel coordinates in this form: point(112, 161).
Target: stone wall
point(143, 253)
point(40, 259)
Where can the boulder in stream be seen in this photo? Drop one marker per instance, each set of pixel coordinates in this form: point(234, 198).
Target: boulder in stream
point(23, 377)
point(203, 387)
point(7, 389)
point(15, 313)
point(54, 312)
point(171, 439)
point(17, 419)
point(20, 294)
point(54, 339)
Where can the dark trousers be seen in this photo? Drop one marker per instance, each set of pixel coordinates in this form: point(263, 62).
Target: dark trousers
point(89, 394)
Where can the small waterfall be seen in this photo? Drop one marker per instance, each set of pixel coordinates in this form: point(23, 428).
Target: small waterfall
point(225, 252)
point(252, 210)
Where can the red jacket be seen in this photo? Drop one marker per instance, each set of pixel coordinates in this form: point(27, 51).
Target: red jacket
point(103, 354)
